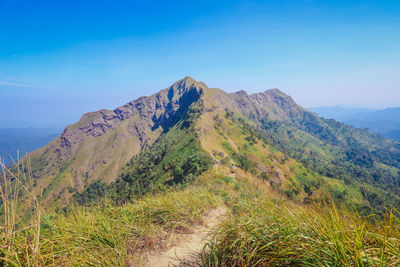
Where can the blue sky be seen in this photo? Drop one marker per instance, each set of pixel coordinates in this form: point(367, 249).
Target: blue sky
point(60, 59)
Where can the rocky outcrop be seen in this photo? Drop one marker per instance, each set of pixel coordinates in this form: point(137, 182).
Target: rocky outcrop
point(145, 113)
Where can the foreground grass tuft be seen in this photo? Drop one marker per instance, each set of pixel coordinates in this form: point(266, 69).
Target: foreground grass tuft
point(104, 234)
point(267, 231)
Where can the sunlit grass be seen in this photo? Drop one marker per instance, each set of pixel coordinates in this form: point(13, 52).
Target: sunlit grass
point(103, 234)
point(261, 229)
point(268, 231)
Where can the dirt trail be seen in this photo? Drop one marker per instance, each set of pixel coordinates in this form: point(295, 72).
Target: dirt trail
point(186, 246)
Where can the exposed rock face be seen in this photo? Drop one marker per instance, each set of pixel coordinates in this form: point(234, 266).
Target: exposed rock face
point(152, 112)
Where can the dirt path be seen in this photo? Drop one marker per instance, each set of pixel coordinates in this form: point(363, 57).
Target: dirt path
point(187, 245)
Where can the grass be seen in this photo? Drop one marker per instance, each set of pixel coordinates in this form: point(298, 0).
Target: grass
point(262, 229)
point(12, 231)
point(266, 230)
point(111, 236)
point(288, 176)
point(102, 234)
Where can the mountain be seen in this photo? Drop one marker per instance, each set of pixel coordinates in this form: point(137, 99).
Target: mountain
point(23, 140)
point(120, 187)
point(385, 122)
point(173, 136)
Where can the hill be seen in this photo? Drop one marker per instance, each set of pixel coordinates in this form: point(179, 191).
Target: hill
point(116, 183)
point(23, 140)
point(385, 122)
point(173, 136)
point(260, 228)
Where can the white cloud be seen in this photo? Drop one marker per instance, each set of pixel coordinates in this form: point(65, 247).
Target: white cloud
point(21, 84)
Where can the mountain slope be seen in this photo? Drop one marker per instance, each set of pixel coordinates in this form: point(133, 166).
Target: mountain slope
point(357, 157)
point(261, 228)
point(292, 167)
point(343, 151)
point(246, 130)
point(169, 138)
point(102, 142)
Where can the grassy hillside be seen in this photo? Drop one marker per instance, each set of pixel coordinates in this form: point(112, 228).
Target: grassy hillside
point(96, 148)
point(357, 157)
point(262, 228)
point(232, 140)
point(203, 136)
point(151, 135)
point(304, 191)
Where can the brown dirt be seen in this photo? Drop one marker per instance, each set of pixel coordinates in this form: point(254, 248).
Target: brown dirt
point(186, 246)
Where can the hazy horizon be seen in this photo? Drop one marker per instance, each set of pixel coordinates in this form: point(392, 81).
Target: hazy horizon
point(60, 59)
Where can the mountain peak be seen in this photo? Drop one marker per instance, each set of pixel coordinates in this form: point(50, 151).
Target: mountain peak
point(185, 84)
point(188, 79)
point(274, 91)
point(278, 94)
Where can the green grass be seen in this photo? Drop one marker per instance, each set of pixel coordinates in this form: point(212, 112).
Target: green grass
point(229, 148)
point(108, 235)
point(261, 229)
point(264, 230)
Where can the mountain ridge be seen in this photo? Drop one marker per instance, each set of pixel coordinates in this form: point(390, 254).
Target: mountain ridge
point(156, 140)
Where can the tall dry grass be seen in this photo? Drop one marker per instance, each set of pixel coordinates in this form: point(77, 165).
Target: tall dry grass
point(262, 229)
point(19, 236)
point(100, 235)
point(270, 231)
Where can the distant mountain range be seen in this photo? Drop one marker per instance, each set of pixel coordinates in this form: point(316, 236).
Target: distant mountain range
point(385, 122)
point(23, 140)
